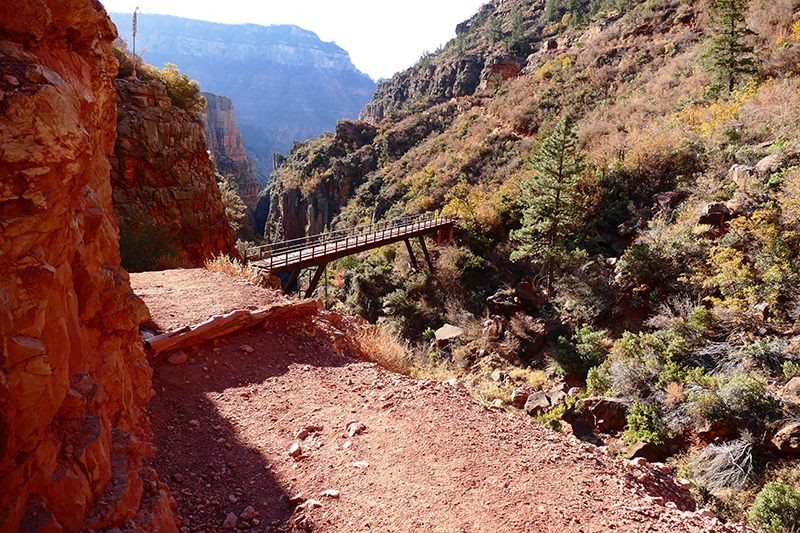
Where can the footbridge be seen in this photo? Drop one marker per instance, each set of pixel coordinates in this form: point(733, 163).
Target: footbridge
point(319, 250)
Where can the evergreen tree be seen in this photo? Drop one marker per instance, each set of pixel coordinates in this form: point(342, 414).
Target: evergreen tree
point(730, 57)
point(551, 198)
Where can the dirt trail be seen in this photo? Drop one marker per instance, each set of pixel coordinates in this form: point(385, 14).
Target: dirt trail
point(392, 452)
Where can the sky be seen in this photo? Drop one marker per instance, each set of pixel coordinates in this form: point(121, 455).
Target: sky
point(382, 37)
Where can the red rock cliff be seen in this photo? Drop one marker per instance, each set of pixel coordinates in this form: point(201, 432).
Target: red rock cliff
point(161, 171)
point(74, 380)
point(227, 149)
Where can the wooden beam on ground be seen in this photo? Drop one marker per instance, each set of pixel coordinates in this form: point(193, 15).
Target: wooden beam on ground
point(425, 252)
point(411, 254)
point(219, 326)
point(315, 281)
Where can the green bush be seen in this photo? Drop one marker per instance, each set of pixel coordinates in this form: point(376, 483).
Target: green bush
point(644, 423)
point(776, 508)
point(598, 381)
point(429, 334)
point(584, 351)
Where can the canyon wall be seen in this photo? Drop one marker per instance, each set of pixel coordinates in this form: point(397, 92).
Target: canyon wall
point(168, 203)
point(224, 141)
point(74, 381)
point(286, 84)
point(291, 207)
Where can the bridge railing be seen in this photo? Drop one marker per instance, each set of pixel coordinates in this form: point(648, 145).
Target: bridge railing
point(312, 246)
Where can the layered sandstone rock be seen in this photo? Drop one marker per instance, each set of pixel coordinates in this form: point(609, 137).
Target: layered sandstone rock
point(161, 174)
point(74, 380)
point(224, 141)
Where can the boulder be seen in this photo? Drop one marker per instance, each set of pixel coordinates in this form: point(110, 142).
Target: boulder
point(556, 396)
point(608, 414)
point(787, 439)
point(528, 296)
point(519, 397)
point(714, 214)
point(631, 227)
point(768, 165)
point(493, 328)
point(741, 174)
point(504, 303)
point(713, 429)
point(536, 403)
point(646, 450)
point(668, 200)
point(447, 333)
point(792, 389)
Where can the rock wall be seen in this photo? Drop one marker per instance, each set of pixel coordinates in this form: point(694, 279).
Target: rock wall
point(74, 381)
point(291, 211)
point(224, 140)
point(161, 171)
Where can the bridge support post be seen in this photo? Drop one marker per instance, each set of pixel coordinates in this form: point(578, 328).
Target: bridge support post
point(411, 254)
point(445, 235)
point(315, 280)
point(292, 281)
point(425, 252)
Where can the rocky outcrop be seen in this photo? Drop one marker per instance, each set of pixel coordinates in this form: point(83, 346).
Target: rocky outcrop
point(224, 141)
point(286, 84)
point(74, 380)
point(291, 212)
point(161, 173)
point(436, 84)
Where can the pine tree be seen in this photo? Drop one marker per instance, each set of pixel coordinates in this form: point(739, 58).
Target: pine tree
point(730, 56)
point(551, 198)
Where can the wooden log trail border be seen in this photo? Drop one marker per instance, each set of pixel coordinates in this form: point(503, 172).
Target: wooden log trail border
point(223, 325)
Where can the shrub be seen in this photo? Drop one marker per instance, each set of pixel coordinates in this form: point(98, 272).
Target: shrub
point(776, 508)
point(587, 349)
point(644, 423)
point(144, 244)
point(235, 268)
point(183, 92)
point(231, 201)
point(371, 343)
point(598, 381)
point(727, 466)
point(429, 334)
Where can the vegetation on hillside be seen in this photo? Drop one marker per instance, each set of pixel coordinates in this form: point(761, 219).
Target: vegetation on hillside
point(183, 92)
point(676, 258)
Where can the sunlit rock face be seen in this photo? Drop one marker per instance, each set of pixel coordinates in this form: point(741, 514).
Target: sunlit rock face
point(74, 380)
point(224, 141)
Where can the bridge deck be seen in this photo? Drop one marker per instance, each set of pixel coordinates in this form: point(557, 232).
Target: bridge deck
point(288, 256)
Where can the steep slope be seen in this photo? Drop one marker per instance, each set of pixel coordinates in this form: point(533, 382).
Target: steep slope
point(74, 380)
point(285, 83)
point(224, 141)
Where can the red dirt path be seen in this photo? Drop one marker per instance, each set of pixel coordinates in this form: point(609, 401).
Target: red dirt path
point(428, 458)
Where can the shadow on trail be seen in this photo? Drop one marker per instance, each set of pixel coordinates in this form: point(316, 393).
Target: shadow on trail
point(211, 472)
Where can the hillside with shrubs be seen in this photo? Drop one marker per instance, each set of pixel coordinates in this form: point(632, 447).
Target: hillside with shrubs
point(626, 179)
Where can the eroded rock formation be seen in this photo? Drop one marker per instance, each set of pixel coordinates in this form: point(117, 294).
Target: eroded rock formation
point(161, 172)
point(224, 140)
point(74, 380)
point(290, 211)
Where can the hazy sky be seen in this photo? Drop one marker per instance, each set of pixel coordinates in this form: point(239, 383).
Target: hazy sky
point(382, 37)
